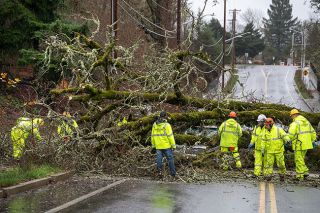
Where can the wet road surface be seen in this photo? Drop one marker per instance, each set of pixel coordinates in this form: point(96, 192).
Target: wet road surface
point(269, 83)
point(240, 197)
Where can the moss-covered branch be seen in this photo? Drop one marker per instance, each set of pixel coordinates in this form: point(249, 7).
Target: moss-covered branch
point(97, 94)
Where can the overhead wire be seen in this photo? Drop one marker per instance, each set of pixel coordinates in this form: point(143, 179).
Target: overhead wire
point(171, 11)
point(143, 26)
point(142, 16)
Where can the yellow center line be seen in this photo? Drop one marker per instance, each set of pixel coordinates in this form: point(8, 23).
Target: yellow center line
point(262, 201)
point(272, 196)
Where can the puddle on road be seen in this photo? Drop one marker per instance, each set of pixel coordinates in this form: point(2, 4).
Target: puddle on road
point(50, 196)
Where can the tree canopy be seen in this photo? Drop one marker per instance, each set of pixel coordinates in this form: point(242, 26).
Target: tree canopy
point(278, 25)
point(252, 43)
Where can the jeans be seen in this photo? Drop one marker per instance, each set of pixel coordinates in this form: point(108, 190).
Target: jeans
point(169, 155)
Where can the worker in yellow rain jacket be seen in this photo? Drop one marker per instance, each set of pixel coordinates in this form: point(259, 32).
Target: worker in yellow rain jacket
point(21, 131)
point(68, 127)
point(303, 137)
point(163, 143)
point(256, 142)
point(230, 132)
point(273, 140)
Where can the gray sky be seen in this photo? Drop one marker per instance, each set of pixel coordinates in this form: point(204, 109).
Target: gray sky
point(300, 10)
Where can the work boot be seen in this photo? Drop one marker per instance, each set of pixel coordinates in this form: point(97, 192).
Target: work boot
point(306, 176)
point(281, 178)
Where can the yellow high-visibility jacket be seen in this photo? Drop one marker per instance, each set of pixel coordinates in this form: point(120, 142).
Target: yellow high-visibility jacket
point(162, 136)
point(229, 132)
point(67, 128)
point(20, 132)
point(273, 141)
point(256, 137)
point(301, 133)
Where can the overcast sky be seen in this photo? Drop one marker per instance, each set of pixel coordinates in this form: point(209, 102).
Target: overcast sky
point(300, 10)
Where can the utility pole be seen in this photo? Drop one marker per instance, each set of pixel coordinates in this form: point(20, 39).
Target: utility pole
point(304, 46)
point(180, 58)
point(114, 25)
point(234, 18)
point(224, 43)
point(178, 23)
point(292, 48)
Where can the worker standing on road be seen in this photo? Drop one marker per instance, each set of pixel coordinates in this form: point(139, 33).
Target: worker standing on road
point(68, 127)
point(21, 131)
point(163, 143)
point(273, 140)
point(303, 138)
point(256, 142)
point(230, 132)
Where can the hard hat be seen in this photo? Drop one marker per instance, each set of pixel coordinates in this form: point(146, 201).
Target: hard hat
point(261, 117)
point(294, 111)
point(269, 121)
point(232, 114)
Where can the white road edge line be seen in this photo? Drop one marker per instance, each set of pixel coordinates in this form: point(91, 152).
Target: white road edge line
point(304, 101)
point(84, 197)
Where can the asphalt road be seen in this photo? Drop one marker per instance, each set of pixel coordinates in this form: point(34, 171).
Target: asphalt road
point(240, 197)
point(270, 84)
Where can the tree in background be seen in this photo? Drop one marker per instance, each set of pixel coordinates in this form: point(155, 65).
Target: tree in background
point(315, 4)
point(313, 49)
point(252, 15)
point(23, 24)
point(209, 40)
point(251, 43)
point(278, 26)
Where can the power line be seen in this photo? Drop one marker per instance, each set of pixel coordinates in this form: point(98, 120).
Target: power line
point(211, 45)
point(143, 26)
point(171, 11)
point(147, 18)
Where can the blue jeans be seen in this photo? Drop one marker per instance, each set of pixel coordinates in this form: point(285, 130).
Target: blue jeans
point(169, 155)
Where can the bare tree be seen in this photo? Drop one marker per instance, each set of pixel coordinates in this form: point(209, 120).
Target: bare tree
point(252, 15)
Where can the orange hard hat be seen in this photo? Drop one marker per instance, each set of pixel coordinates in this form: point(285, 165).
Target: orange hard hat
point(233, 114)
point(269, 121)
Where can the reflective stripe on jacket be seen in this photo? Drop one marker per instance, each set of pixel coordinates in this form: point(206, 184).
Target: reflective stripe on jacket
point(273, 140)
point(230, 132)
point(301, 133)
point(256, 137)
point(162, 136)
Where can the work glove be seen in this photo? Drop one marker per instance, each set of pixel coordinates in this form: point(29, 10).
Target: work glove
point(153, 150)
point(250, 146)
point(314, 144)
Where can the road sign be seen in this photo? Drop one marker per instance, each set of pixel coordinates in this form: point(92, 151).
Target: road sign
point(305, 72)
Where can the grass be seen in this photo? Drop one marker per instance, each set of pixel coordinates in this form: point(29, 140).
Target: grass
point(231, 83)
point(16, 175)
point(306, 94)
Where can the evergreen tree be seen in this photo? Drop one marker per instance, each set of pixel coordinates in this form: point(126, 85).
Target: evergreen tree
point(315, 4)
point(278, 26)
point(252, 43)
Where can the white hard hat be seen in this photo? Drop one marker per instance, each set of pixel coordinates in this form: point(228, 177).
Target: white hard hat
point(261, 117)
